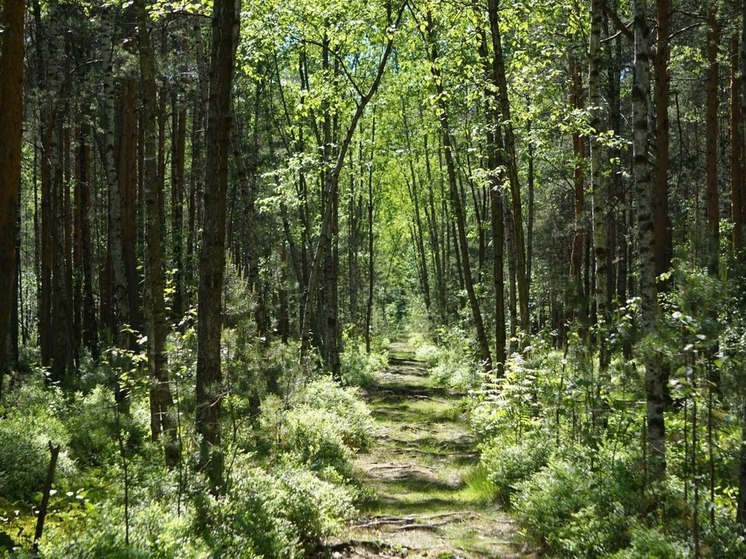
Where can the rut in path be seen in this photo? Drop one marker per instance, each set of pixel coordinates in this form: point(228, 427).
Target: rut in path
point(422, 467)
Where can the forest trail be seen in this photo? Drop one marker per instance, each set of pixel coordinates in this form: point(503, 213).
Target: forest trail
point(422, 469)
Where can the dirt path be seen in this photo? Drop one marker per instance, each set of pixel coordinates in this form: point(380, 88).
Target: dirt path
point(432, 500)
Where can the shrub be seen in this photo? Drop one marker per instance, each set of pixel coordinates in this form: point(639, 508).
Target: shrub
point(315, 507)
point(283, 514)
point(92, 428)
point(314, 436)
point(358, 366)
point(23, 462)
point(508, 464)
point(248, 522)
point(455, 370)
point(428, 353)
point(652, 544)
point(24, 454)
point(353, 416)
point(582, 502)
point(157, 532)
point(546, 502)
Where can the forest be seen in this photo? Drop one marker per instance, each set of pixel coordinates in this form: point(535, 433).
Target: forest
point(372, 278)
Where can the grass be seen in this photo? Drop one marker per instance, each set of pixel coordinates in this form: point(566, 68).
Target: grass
point(424, 471)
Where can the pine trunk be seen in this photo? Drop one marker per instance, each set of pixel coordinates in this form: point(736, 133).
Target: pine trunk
point(11, 123)
point(161, 401)
point(209, 393)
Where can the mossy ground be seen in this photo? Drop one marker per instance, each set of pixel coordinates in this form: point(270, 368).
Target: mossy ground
point(431, 499)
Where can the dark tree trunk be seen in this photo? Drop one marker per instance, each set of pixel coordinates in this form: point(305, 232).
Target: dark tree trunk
point(654, 386)
point(209, 392)
point(161, 401)
point(663, 236)
point(461, 243)
point(711, 123)
point(11, 123)
point(512, 163)
point(736, 150)
point(178, 145)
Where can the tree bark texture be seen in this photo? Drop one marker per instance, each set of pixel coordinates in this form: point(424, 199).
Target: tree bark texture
point(209, 392)
point(12, 15)
point(656, 436)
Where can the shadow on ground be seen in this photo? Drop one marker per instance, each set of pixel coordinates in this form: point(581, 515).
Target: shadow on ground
point(431, 498)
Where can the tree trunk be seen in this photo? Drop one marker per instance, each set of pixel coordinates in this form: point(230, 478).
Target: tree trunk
point(495, 166)
point(89, 323)
point(711, 133)
point(160, 391)
point(741, 510)
point(120, 306)
point(209, 392)
point(577, 299)
point(461, 243)
point(178, 145)
point(656, 436)
point(662, 232)
point(736, 150)
point(599, 187)
point(512, 164)
point(11, 123)
point(127, 178)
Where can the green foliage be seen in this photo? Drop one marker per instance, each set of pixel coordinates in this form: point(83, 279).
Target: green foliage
point(248, 523)
point(157, 532)
point(358, 366)
point(92, 427)
point(566, 506)
point(652, 544)
point(23, 462)
point(316, 508)
point(451, 362)
point(315, 437)
point(319, 426)
point(351, 413)
point(508, 464)
point(281, 514)
point(25, 433)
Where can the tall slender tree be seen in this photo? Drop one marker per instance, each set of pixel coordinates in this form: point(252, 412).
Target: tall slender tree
point(12, 14)
point(209, 395)
point(654, 385)
point(161, 400)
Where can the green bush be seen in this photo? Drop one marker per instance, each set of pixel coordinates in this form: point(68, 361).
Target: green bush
point(92, 428)
point(156, 532)
point(248, 522)
point(358, 366)
point(283, 514)
point(314, 436)
point(545, 503)
point(508, 464)
point(455, 370)
point(25, 434)
point(428, 353)
point(353, 416)
point(652, 544)
point(576, 511)
point(316, 508)
point(23, 462)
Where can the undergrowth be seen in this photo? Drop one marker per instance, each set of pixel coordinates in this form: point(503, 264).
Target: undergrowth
point(288, 437)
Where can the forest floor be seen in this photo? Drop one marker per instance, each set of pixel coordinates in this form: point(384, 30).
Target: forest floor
point(430, 497)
